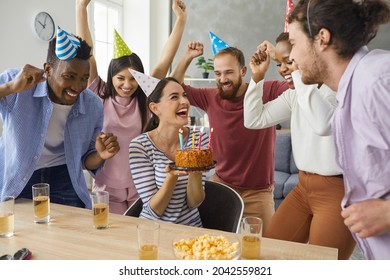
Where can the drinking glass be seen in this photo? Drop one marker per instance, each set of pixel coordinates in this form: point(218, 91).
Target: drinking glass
point(41, 200)
point(251, 233)
point(148, 238)
point(100, 208)
point(7, 204)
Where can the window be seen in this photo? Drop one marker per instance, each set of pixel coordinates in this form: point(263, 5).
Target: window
point(107, 15)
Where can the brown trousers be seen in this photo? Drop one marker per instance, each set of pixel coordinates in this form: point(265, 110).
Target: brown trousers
point(311, 213)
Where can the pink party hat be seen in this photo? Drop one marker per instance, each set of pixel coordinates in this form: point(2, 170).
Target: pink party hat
point(289, 8)
point(217, 43)
point(147, 83)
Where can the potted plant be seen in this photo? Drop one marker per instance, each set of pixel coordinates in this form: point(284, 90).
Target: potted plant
point(205, 65)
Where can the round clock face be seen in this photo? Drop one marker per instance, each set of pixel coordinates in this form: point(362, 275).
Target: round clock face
point(44, 26)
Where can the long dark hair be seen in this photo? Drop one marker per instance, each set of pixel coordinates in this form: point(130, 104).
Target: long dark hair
point(117, 65)
point(155, 97)
point(352, 24)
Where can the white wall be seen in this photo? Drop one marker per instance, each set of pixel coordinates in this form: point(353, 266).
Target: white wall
point(146, 27)
point(20, 45)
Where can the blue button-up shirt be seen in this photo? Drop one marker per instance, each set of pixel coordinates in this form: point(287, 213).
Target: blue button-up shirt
point(25, 118)
point(361, 131)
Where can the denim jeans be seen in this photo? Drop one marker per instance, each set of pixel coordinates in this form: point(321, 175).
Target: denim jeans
point(61, 188)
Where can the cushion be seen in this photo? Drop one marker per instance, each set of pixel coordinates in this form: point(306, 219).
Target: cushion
point(280, 180)
point(277, 201)
point(293, 167)
point(283, 152)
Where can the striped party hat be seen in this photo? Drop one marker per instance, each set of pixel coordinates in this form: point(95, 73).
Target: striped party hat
point(147, 83)
point(66, 45)
point(120, 47)
point(217, 43)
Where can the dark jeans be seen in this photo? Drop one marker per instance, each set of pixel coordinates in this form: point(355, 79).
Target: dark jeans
point(61, 188)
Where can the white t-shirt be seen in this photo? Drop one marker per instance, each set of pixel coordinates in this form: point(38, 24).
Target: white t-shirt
point(53, 153)
point(310, 110)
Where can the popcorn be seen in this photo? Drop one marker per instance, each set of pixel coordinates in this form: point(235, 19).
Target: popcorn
point(206, 247)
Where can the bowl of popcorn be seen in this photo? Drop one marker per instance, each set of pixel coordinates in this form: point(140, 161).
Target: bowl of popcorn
point(188, 246)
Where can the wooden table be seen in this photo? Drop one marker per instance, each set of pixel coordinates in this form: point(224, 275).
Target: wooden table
point(70, 235)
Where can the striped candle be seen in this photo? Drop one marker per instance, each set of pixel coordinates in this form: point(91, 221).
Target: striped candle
point(200, 137)
point(181, 139)
point(211, 134)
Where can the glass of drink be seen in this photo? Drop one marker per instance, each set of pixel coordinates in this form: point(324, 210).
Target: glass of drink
point(251, 232)
point(100, 202)
point(148, 238)
point(41, 199)
point(7, 216)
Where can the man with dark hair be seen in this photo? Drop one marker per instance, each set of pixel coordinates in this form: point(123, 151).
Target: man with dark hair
point(52, 125)
point(245, 157)
point(332, 49)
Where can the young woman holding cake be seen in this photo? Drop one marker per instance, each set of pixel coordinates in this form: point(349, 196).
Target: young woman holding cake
point(311, 211)
point(168, 194)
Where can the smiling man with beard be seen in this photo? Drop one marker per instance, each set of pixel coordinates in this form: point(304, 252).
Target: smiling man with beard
point(52, 126)
point(245, 157)
point(333, 36)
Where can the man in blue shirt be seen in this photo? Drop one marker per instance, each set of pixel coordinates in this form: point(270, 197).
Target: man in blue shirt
point(52, 126)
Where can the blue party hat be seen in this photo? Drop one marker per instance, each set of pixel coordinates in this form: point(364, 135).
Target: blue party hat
point(217, 43)
point(66, 45)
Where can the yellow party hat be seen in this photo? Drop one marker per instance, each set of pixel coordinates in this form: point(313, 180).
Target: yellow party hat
point(120, 47)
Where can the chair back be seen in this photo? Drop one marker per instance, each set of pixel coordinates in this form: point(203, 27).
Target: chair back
point(222, 207)
point(135, 209)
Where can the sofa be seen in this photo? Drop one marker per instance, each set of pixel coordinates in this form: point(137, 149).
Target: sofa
point(286, 172)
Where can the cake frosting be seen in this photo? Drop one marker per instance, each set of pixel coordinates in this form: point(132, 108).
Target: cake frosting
point(194, 158)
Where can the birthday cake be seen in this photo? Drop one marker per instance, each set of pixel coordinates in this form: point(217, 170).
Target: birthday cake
point(194, 158)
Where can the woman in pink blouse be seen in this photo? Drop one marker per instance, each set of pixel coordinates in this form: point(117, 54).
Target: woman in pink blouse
point(125, 110)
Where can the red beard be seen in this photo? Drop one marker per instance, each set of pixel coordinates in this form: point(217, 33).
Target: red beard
point(232, 93)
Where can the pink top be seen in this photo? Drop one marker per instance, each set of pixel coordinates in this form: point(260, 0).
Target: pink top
point(122, 117)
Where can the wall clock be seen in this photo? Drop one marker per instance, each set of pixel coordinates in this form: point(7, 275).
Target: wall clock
point(44, 26)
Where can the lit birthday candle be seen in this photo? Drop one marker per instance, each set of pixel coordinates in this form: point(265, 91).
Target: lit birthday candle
point(200, 137)
point(211, 134)
point(181, 139)
point(193, 138)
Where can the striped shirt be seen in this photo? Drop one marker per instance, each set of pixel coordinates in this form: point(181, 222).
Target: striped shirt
point(147, 165)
